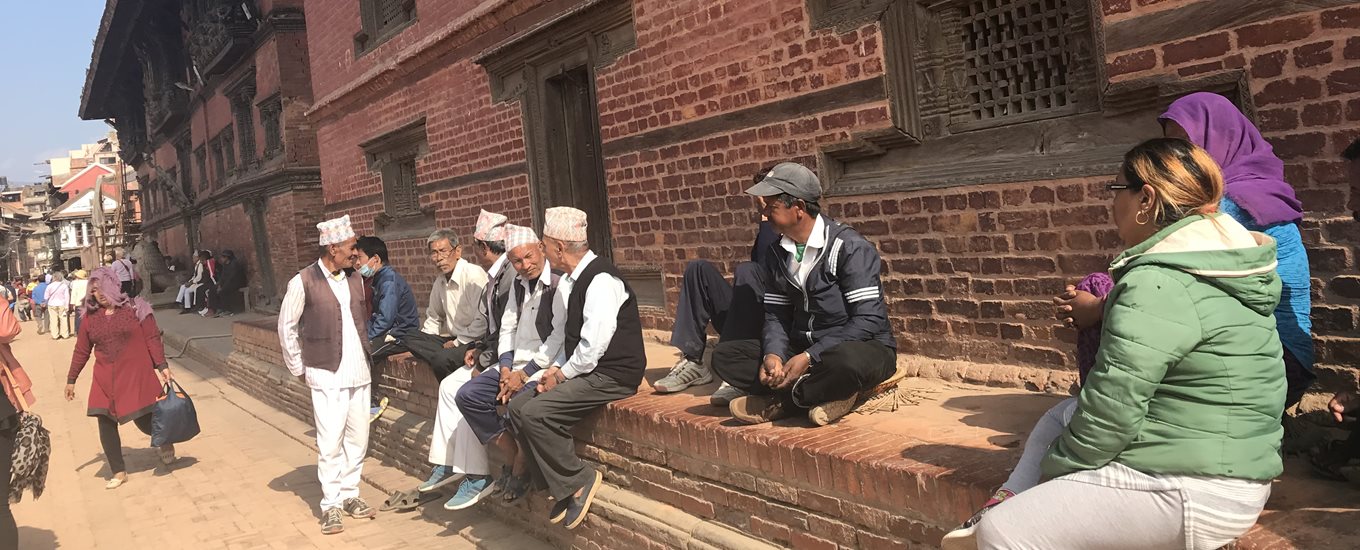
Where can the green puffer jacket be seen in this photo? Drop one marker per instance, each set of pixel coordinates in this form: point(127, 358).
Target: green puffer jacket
point(1189, 377)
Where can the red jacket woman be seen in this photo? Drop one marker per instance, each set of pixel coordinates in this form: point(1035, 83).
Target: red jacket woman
point(129, 366)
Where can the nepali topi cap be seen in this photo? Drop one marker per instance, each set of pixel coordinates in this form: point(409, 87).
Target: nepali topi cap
point(335, 231)
point(565, 223)
point(490, 227)
point(518, 235)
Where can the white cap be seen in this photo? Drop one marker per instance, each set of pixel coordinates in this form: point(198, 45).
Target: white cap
point(518, 235)
point(565, 223)
point(490, 227)
point(335, 231)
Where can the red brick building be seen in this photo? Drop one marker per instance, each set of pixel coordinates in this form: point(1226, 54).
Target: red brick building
point(208, 99)
point(968, 139)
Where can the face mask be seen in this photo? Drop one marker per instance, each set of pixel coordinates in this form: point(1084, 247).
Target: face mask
point(365, 271)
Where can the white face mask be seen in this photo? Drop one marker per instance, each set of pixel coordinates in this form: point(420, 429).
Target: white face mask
point(366, 271)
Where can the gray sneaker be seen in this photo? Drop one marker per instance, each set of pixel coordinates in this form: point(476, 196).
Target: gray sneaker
point(684, 374)
point(331, 522)
point(724, 396)
point(358, 509)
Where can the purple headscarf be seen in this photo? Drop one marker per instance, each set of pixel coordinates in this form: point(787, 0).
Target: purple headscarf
point(106, 281)
point(1253, 176)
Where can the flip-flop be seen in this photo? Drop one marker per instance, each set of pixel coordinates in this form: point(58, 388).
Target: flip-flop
point(405, 501)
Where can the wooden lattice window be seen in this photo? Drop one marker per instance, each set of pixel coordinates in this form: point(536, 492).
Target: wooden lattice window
point(1016, 58)
point(219, 162)
point(229, 149)
point(382, 19)
point(394, 156)
point(402, 197)
point(270, 112)
point(201, 157)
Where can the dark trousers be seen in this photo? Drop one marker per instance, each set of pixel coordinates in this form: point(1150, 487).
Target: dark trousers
point(9, 532)
point(430, 349)
point(706, 298)
point(230, 300)
point(40, 315)
point(113, 443)
point(543, 423)
point(477, 401)
point(126, 287)
point(845, 369)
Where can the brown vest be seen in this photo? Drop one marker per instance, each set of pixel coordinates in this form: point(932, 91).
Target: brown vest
point(319, 328)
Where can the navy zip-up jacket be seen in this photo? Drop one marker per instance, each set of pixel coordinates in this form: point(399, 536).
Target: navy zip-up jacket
point(843, 302)
point(395, 310)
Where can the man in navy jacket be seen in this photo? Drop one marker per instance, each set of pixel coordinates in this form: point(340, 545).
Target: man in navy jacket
point(394, 310)
point(826, 336)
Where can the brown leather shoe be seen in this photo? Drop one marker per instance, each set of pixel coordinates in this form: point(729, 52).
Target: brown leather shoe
point(758, 409)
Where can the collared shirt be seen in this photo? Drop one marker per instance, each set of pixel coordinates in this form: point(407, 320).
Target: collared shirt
point(604, 297)
point(519, 328)
point(353, 369)
point(453, 311)
point(58, 294)
point(816, 242)
point(123, 269)
point(40, 293)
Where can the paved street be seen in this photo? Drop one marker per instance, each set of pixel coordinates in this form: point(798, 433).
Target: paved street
point(248, 481)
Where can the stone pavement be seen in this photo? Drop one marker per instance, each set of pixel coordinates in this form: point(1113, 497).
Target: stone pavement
point(248, 481)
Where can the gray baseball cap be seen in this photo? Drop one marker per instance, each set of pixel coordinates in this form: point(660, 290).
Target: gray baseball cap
point(789, 177)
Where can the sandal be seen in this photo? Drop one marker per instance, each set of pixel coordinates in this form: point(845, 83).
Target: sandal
point(116, 482)
point(166, 453)
point(515, 488)
point(405, 501)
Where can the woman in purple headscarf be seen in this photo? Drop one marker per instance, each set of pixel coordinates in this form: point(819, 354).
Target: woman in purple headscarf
point(129, 365)
point(1256, 195)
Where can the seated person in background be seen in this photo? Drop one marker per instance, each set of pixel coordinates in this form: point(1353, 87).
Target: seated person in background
point(394, 312)
point(826, 334)
point(733, 309)
point(229, 284)
point(453, 319)
point(1163, 448)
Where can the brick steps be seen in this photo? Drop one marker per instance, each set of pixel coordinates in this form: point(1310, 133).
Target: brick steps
point(681, 474)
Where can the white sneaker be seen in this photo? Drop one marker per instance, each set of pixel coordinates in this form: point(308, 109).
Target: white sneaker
point(724, 396)
point(684, 374)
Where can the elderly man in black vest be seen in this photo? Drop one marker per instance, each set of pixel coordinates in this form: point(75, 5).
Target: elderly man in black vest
point(602, 360)
point(321, 329)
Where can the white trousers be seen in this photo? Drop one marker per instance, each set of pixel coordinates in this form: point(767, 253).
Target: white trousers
point(453, 442)
point(341, 417)
point(186, 296)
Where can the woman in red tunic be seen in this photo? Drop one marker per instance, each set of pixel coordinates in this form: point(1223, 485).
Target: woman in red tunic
point(129, 366)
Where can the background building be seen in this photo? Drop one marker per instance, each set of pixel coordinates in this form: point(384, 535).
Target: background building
point(208, 97)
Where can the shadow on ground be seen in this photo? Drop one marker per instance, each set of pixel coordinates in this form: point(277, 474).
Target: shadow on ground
point(31, 538)
point(303, 483)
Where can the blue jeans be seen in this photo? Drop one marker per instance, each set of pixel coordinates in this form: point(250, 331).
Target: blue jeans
point(477, 400)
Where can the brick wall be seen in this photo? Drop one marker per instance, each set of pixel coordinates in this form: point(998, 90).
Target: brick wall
point(969, 270)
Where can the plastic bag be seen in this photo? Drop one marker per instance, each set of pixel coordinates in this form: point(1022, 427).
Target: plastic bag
point(174, 419)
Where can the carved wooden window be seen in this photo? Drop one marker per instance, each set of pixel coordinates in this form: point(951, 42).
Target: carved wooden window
point(382, 19)
point(270, 111)
point(184, 160)
point(219, 161)
point(229, 149)
point(394, 155)
point(201, 156)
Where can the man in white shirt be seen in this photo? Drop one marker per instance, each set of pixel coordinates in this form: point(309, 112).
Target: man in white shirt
point(602, 360)
point(531, 336)
point(453, 320)
point(126, 271)
point(322, 323)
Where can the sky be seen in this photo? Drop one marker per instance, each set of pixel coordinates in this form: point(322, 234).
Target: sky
point(42, 71)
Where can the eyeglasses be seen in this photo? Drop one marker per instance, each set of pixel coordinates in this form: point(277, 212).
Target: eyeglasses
point(438, 254)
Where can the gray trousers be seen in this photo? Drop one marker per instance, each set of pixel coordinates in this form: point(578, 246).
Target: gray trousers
point(1063, 514)
point(543, 423)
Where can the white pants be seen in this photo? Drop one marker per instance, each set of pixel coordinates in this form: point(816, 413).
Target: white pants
point(453, 443)
point(1029, 471)
point(185, 296)
point(341, 417)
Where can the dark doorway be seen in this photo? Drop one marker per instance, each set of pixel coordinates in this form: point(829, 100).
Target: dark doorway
point(575, 169)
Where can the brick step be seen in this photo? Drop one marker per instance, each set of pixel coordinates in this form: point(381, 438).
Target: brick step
point(896, 479)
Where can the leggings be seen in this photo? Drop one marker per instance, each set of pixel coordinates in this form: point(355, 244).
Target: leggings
point(9, 531)
point(1028, 472)
point(113, 444)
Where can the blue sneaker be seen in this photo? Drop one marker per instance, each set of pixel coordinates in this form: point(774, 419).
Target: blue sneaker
point(439, 477)
point(470, 491)
point(578, 506)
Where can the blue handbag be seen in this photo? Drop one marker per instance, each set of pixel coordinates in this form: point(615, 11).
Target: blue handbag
point(174, 419)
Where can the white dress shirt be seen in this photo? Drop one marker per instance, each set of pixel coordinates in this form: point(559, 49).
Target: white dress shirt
point(519, 328)
point(353, 369)
point(454, 310)
point(816, 242)
point(604, 297)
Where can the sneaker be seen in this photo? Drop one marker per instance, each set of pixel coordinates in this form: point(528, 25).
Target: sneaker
point(684, 374)
point(331, 522)
point(965, 536)
point(469, 492)
point(579, 505)
point(832, 411)
point(758, 409)
point(439, 477)
point(358, 509)
point(724, 396)
point(377, 410)
point(558, 511)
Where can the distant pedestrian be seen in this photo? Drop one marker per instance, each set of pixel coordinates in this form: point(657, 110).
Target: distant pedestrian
point(230, 280)
point(126, 271)
point(321, 327)
point(58, 298)
point(129, 366)
point(40, 304)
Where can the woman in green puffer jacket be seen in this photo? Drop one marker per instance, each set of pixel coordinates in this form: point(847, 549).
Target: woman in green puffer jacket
point(1175, 437)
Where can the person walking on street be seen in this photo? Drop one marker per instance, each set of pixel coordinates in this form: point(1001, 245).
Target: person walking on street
point(126, 271)
point(321, 328)
point(79, 289)
point(40, 304)
point(129, 366)
point(58, 298)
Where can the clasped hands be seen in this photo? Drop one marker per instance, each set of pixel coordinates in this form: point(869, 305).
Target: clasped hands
point(780, 375)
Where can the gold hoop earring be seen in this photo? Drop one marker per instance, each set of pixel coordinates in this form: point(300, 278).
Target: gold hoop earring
point(1142, 218)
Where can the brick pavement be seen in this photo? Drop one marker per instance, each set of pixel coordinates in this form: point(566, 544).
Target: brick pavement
point(247, 482)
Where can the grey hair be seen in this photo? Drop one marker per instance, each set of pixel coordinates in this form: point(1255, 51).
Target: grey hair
point(442, 235)
point(576, 247)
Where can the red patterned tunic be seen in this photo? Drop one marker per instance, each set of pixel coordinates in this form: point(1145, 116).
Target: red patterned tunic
point(126, 354)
